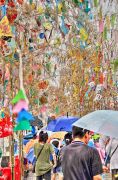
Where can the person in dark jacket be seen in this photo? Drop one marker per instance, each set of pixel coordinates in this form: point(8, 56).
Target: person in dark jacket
point(81, 162)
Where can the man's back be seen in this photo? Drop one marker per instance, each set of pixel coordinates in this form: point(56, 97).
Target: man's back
point(80, 162)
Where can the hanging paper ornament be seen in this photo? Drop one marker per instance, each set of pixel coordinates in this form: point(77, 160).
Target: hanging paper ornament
point(19, 96)
point(24, 115)
point(115, 64)
point(101, 78)
point(87, 6)
point(41, 10)
point(96, 3)
point(42, 35)
point(83, 34)
point(57, 110)
point(30, 1)
point(2, 2)
point(20, 1)
point(5, 127)
point(43, 85)
point(43, 100)
point(105, 33)
point(11, 14)
point(60, 7)
point(113, 18)
point(76, 2)
point(47, 26)
point(23, 125)
point(101, 26)
point(2, 11)
point(19, 106)
point(108, 22)
point(5, 29)
point(16, 56)
point(38, 21)
point(63, 27)
point(43, 109)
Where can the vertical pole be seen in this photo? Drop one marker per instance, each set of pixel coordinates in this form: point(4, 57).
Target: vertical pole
point(12, 136)
point(21, 153)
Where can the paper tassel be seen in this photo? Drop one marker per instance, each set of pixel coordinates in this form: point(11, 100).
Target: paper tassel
point(105, 33)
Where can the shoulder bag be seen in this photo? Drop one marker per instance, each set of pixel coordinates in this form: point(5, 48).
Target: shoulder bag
point(108, 158)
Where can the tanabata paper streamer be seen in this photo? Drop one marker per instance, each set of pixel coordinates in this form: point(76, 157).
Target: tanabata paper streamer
point(23, 125)
point(23, 114)
point(5, 127)
point(101, 26)
point(5, 29)
point(20, 95)
point(19, 106)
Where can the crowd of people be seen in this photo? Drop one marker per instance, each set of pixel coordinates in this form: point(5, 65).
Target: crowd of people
point(78, 157)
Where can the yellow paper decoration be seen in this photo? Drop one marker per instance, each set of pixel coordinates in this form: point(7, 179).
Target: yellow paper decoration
point(60, 6)
point(47, 26)
point(83, 34)
point(41, 10)
point(5, 29)
point(108, 22)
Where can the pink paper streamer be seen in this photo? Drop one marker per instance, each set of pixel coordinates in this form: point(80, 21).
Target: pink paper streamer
point(19, 106)
point(101, 26)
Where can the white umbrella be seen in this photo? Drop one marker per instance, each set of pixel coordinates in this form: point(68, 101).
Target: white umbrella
point(101, 121)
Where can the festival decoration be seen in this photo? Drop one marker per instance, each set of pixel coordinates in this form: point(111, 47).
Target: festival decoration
point(67, 52)
point(5, 127)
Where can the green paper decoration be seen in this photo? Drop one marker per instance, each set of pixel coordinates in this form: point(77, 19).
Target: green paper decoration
point(20, 95)
point(23, 125)
point(105, 33)
point(115, 64)
point(57, 110)
point(96, 3)
point(113, 18)
point(30, 1)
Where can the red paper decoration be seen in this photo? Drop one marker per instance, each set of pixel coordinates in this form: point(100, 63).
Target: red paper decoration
point(5, 127)
point(43, 85)
point(20, 1)
point(2, 2)
point(11, 12)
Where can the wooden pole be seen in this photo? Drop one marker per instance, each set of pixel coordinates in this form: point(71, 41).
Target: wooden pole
point(21, 153)
point(12, 136)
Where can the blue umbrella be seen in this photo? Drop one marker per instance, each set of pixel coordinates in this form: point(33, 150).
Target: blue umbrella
point(25, 141)
point(30, 156)
point(102, 121)
point(63, 123)
point(29, 135)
